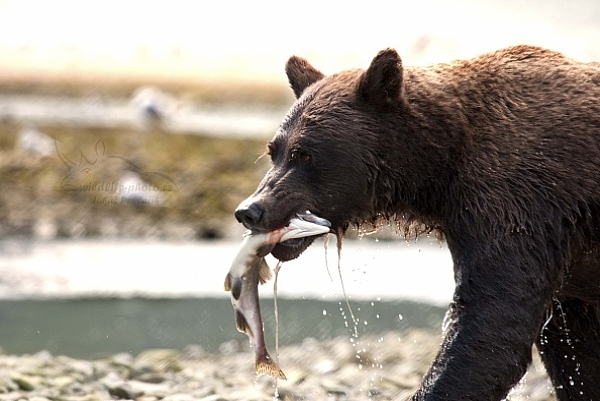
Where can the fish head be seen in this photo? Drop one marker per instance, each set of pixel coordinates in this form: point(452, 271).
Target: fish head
point(289, 236)
point(266, 211)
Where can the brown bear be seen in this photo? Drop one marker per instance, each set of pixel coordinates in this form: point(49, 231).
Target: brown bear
point(500, 153)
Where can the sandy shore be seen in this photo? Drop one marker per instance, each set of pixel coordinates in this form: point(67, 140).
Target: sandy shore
point(368, 368)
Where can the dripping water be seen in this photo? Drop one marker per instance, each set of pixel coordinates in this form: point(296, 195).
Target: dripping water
point(361, 349)
point(564, 321)
point(350, 311)
point(549, 315)
point(326, 245)
point(276, 314)
point(569, 342)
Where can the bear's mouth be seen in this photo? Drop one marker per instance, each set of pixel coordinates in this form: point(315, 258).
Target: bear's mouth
point(292, 248)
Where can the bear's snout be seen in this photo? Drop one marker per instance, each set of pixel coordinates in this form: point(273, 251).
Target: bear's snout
point(249, 214)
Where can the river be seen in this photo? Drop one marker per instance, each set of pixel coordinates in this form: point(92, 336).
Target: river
point(418, 271)
point(231, 121)
point(94, 298)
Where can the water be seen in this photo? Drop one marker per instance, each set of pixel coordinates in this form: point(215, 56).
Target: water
point(94, 298)
point(231, 121)
point(95, 327)
point(388, 270)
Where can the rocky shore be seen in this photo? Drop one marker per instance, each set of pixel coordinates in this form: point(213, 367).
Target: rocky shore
point(365, 368)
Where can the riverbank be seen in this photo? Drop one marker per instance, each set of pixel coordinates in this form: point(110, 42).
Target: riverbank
point(94, 182)
point(382, 367)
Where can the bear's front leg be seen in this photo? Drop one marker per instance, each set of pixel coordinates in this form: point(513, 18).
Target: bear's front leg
point(491, 325)
point(569, 345)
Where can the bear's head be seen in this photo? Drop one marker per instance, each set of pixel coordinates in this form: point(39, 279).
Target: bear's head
point(328, 155)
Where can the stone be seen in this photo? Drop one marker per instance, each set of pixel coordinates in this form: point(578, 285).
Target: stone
point(158, 360)
point(25, 383)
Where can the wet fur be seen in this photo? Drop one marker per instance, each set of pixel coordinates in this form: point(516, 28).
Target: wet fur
point(501, 153)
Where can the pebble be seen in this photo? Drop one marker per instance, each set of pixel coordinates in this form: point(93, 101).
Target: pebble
point(387, 367)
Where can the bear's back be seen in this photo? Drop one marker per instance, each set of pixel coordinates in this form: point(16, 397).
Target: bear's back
point(529, 119)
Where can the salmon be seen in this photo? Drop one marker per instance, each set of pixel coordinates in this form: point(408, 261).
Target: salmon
point(248, 269)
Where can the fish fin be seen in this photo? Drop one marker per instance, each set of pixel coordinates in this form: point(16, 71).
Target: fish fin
point(235, 288)
point(241, 324)
point(227, 284)
point(268, 367)
point(264, 272)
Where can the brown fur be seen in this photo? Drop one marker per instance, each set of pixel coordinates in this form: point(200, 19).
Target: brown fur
point(502, 154)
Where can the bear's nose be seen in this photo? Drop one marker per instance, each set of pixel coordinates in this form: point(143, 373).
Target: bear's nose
point(249, 214)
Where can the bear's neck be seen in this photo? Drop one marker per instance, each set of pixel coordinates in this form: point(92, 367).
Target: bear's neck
point(419, 151)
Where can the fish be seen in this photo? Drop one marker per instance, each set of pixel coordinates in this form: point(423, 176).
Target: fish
point(249, 268)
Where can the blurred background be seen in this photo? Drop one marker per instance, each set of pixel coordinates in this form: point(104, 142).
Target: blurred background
point(129, 132)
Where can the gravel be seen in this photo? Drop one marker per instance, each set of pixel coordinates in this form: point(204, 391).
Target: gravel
point(364, 368)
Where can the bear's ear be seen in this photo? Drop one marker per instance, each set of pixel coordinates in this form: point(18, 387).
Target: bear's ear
point(382, 82)
point(301, 74)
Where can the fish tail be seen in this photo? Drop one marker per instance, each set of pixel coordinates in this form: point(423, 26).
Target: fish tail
point(268, 367)
point(264, 272)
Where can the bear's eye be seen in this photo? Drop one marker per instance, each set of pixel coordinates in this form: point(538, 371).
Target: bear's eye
point(299, 156)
